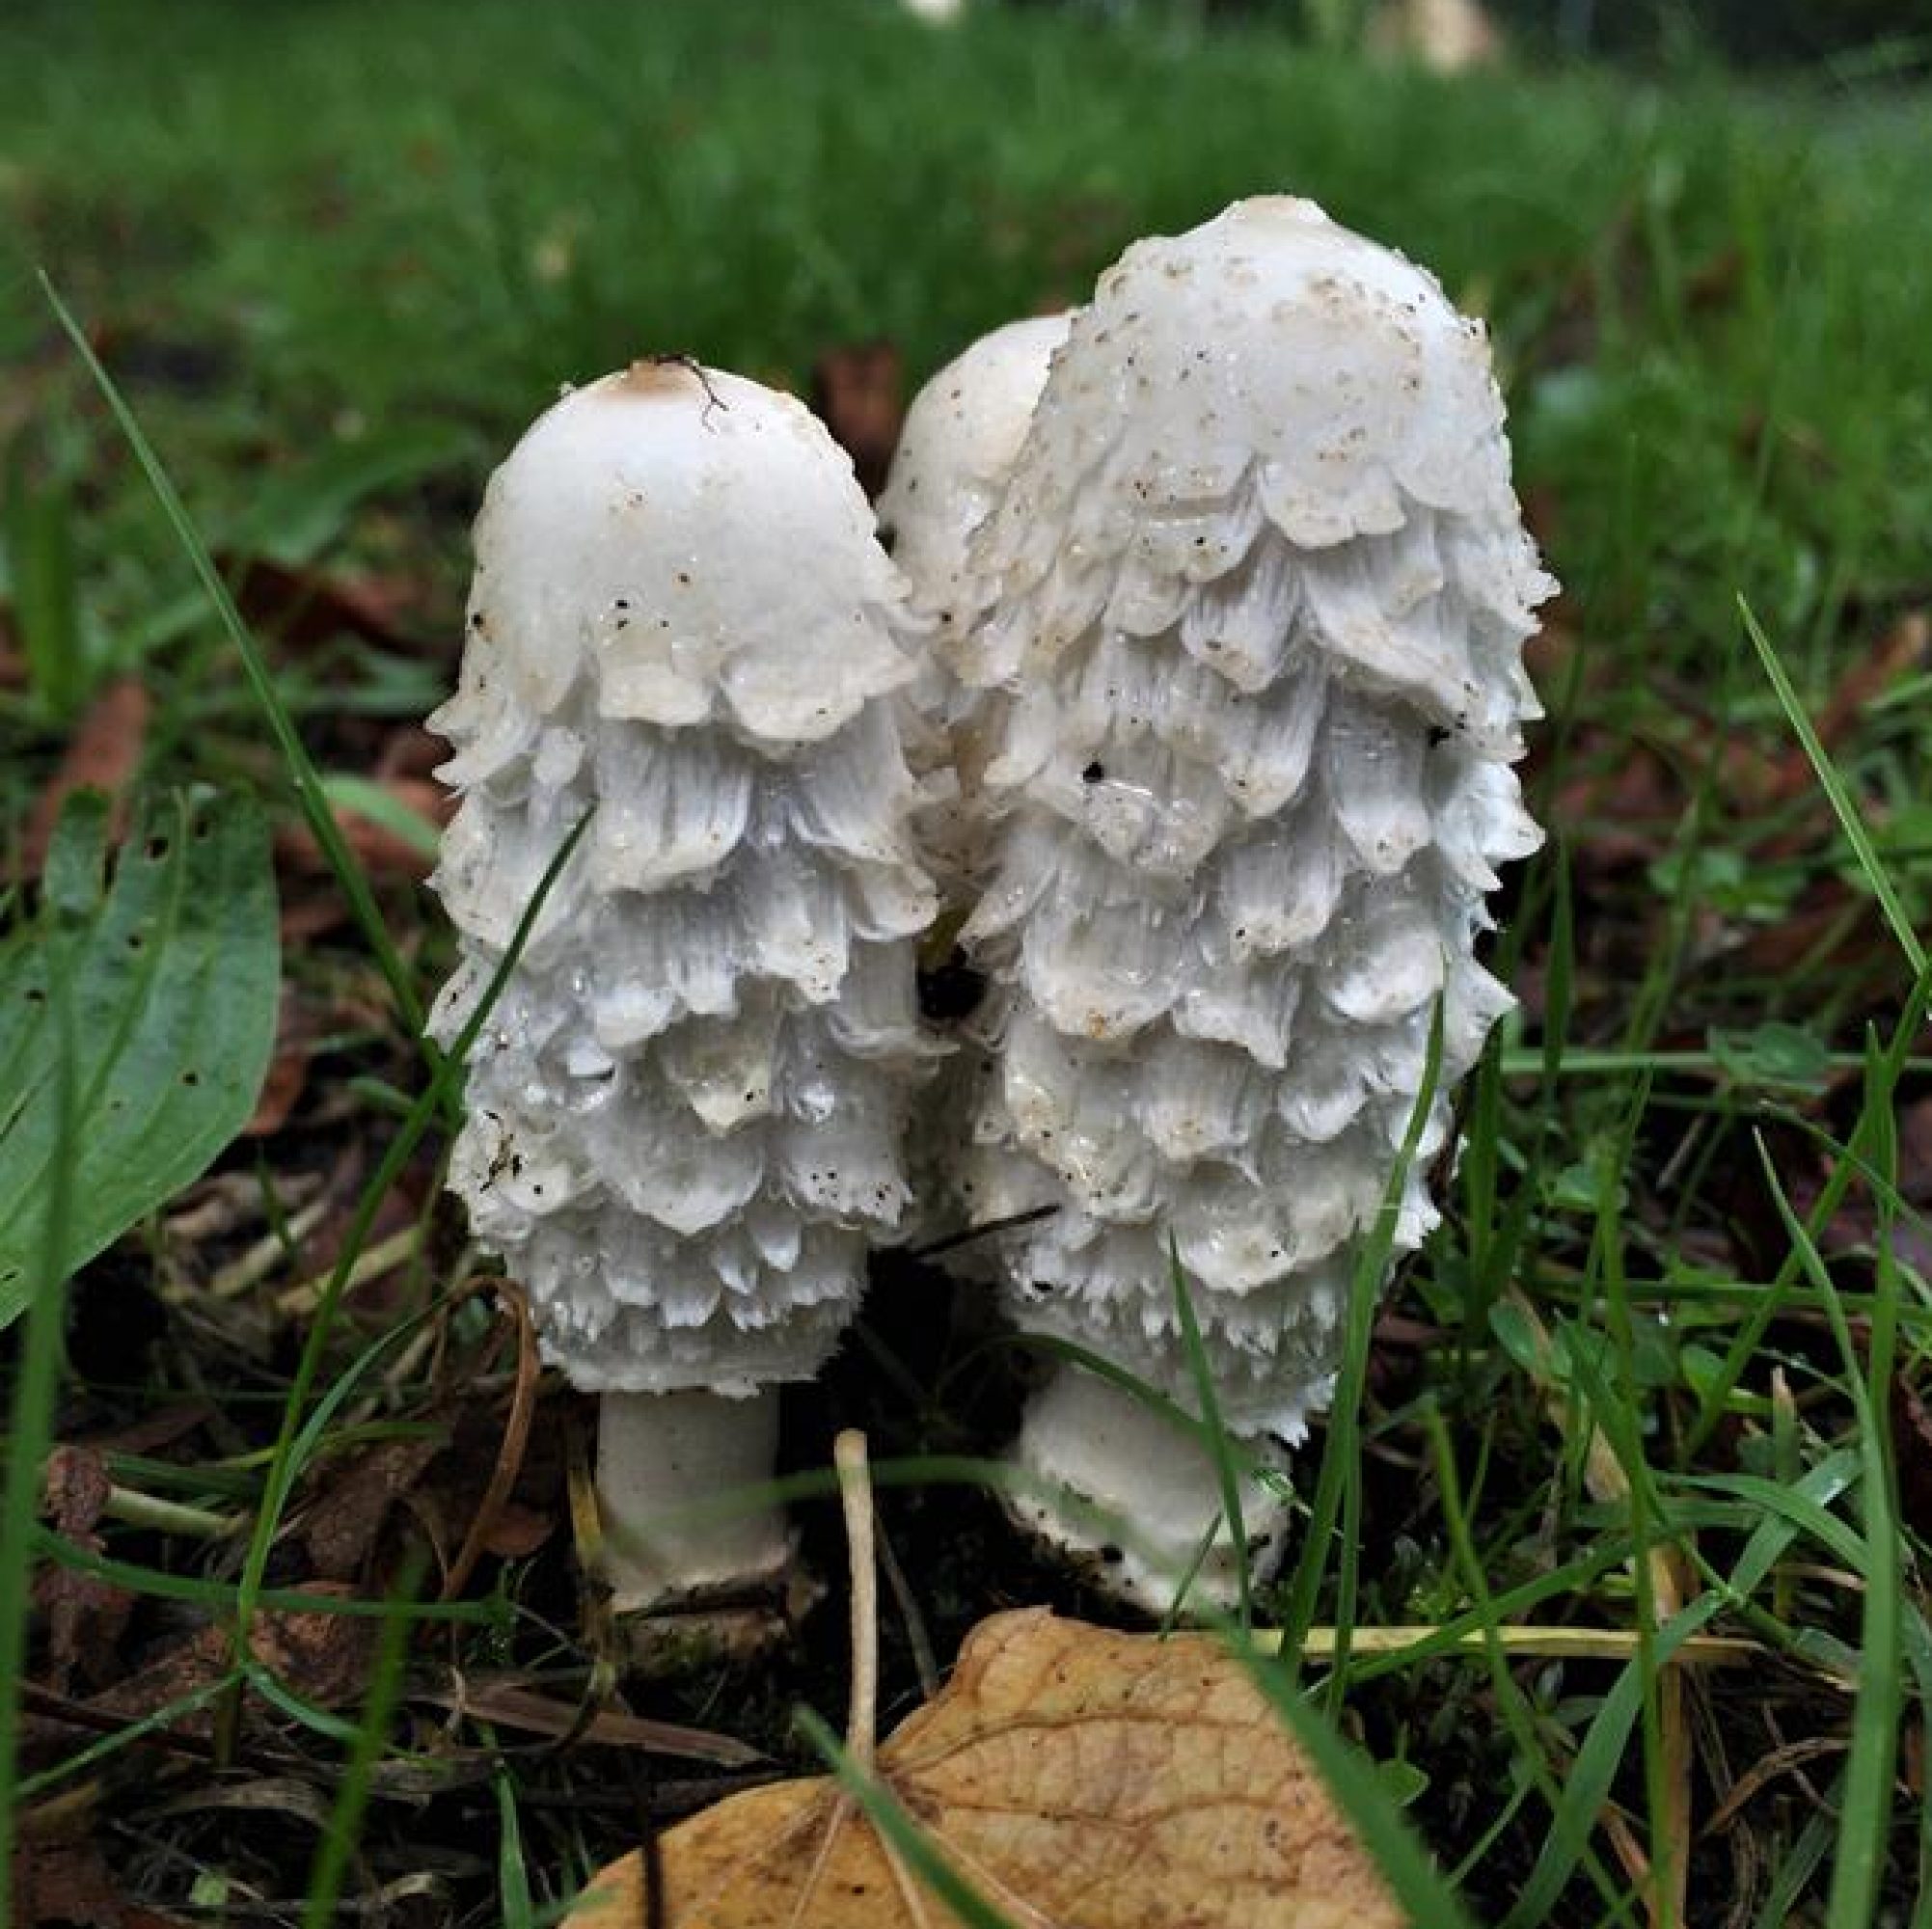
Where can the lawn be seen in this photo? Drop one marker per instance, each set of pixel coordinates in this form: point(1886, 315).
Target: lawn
point(1664, 1371)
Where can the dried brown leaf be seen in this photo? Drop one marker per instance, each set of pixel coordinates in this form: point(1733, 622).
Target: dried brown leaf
point(323, 1657)
point(78, 1487)
point(340, 1531)
point(1074, 1775)
point(1873, 671)
point(303, 606)
point(65, 1881)
point(296, 1032)
point(86, 1616)
point(511, 1448)
point(288, 1795)
point(105, 753)
point(518, 1532)
point(183, 1669)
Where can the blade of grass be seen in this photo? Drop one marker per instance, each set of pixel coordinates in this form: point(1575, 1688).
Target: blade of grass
point(1410, 1646)
point(310, 793)
point(337, 1845)
point(1460, 1631)
point(1844, 804)
point(1227, 1475)
point(517, 1904)
point(30, 1426)
point(1597, 1416)
point(339, 1728)
point(1499, 1827)
point(1337, 1503)
point(285, 1467)
point(98, 1751)
point(1801, 1863)
point(218, 1596)
point(1881, 1083)
point(1496, 1232)
point(898, 1831)
point(37, 528)
point(1587, 1788)
point(1864, 1815)
point(1805, 1507)
point(1658, 1580)
point(384, 809)
point(1511, 1701)
point(1529, 1063)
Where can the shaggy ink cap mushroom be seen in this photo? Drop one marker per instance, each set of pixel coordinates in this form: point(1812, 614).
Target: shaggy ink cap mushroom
point(685, 1111)
point(1255, 601)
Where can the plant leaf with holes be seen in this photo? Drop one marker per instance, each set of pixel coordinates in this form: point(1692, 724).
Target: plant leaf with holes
point(170, 966)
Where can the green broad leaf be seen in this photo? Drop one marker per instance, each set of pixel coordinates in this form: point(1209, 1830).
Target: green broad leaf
point(1512, 1330)
point(171, 967)
point(1402, 1781)
point(1774, 1056)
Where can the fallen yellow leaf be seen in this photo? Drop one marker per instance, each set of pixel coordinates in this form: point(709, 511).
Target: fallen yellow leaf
point(1076, 1778)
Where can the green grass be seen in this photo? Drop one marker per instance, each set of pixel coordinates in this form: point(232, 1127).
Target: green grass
point(30, 1427)
point(335, 257)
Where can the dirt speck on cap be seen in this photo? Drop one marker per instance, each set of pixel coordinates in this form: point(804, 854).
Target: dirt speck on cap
point(660, 375)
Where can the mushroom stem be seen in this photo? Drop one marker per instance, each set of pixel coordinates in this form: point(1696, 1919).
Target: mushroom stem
point(677, 1475)
point(1092, 1454)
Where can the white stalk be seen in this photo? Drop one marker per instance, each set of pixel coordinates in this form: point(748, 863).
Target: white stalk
point(678, 1489)
point(1105, 1473)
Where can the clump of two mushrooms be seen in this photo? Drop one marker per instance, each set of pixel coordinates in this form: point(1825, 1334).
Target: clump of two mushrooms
point(1193, 681)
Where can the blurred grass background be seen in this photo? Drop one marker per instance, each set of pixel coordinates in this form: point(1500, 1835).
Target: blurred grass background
point(339, 254)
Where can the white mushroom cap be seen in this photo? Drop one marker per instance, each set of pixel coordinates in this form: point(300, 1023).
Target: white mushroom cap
point(956, 451)
point(1273, 370)
point(686, 539)
point(686, 1110)
point(1255, 601)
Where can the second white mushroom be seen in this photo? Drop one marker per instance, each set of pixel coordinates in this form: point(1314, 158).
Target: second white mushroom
point(1255, 599)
